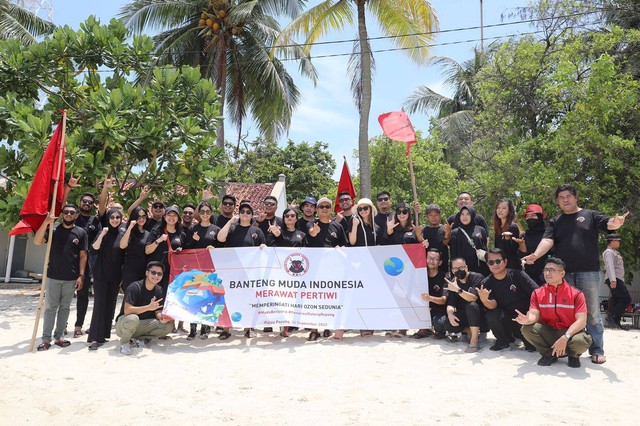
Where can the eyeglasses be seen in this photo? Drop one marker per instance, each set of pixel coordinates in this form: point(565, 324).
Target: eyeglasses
point(459, 268)
point(289, 216)
point(344, 200)
point(142, 216)
point(245, 211)
point(157, 206)
point(269, 203)
point(115, 217)
point(156, 273)
point(324, 206)
point(87, 202)
point(383, 199)
point(187, 213)
point(363, 209)
point(204, 211)
point(68, 212)
point(402, 211)
point(228, 203)
point(550, 270)
point(494, 262)
point(433, 258)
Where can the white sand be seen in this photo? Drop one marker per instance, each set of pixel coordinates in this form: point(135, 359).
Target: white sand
point(271, 380)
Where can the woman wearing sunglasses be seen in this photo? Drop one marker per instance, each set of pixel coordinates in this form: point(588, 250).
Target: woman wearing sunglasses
point(106, 278)
point(133, 242)
point(239, 232)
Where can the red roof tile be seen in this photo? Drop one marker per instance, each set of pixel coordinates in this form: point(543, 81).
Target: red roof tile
point(255, 192)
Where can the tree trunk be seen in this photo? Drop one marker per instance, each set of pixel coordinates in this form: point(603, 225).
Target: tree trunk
point(365, 103)
point(222, 92)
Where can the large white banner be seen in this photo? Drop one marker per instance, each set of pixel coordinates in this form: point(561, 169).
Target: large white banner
point(369, 288)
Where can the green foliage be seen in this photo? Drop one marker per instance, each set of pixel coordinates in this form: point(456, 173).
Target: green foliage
point(308, 167)
point(160, 134)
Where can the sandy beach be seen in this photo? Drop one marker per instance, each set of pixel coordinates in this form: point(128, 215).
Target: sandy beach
point(272, 380)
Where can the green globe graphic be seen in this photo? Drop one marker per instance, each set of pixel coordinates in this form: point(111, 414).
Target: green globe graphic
point(393, 266)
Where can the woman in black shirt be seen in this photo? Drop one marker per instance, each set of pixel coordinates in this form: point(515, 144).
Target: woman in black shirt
point(466, 238)
point(290, 235)
point(205, 233)
point(505, 229)
point(134, 242)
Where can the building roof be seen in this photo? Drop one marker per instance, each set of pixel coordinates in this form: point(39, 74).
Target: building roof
point(254, 192)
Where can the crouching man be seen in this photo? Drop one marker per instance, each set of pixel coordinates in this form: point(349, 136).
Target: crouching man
point(557, 317)
point(140, 318)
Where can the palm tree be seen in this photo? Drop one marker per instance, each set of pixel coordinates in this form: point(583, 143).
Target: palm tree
point(455, 115)
point(230, 40)
point(409, 24)
point(21, 24)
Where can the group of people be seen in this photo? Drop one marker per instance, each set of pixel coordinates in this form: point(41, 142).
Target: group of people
point(516, 289)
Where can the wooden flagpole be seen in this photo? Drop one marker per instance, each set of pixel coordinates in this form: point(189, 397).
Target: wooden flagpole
point(413, 183)
point(50, 239)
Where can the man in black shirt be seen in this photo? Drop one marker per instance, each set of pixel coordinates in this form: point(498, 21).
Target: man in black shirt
point(574, 236)
point(227, 206)
point(383, 202)
point(437, 235)
point(435, 296)
point(308, 207)
point(465, 199)
point(140, 317)
point(65, 272)
point(157, 213)
point(502, 293)
point(345, 211)
point(326, 232)
point(268, 218)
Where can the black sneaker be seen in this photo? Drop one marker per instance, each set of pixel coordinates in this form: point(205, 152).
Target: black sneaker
point(547, 360)
point(191, 336)
point(574, 362)
point(499, 346)
point(530, 348)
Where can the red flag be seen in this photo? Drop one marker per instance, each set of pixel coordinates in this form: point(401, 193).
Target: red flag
point(398, 127)
point(345, 184)
point(38, 202)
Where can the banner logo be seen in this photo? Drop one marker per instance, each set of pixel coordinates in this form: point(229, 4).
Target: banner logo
point(296, 264)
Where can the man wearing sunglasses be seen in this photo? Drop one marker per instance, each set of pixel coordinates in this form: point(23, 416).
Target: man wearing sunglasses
point(268, 219)
point(65, 272)
point(345, 211)
point(383, 202)
point(503, 293)
point(156, 213)
point(227, 206)
point(140, 318)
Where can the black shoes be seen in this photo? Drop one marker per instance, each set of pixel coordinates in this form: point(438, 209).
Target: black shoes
point(574, 362)
point(547, 360)
point(499, 346)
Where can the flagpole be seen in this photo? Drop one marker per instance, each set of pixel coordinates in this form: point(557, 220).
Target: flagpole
point(50, 239)
point(413, 184)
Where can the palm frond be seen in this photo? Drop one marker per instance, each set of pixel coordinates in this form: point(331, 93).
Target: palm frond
point(160, 15)
point(354, 69)
point(425, 100)
point(22, 24)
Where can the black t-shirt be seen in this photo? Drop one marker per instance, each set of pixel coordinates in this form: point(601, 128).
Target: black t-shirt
point(331, 235)
point(303, 223)
point(208, 236)
point(264, 226)
point(244, 236)
point(381, 220)
point(110, 258)
point(295, 238)
point(575, 239)
point(135, 260)
point(400, 236)
point(435, 236)
point(460, 247)
point(511, 293)
point(436, 289)
point(479, 220)
point(221, 221)
point(137, 294)
point(152, 224)
point(366, 236)
point(64, 260)
point(91, 224)
point(510, 247)
point(532, 238)
point(161, 253)
point(471, 285)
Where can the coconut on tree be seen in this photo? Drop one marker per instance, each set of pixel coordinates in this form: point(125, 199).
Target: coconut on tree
point(231, 42)
point(409, 24)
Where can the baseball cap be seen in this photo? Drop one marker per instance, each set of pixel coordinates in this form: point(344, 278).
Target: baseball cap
point(534, 208)
point(309, 200)
point(434, 207)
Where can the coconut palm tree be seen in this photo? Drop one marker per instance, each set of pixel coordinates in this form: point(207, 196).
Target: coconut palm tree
point(22, 24)
point(454, 115)
point(230, 40)
point(409, 24)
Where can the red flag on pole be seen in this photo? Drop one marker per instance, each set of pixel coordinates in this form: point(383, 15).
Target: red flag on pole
point(398, 127)
point(38, 202)
point(345, 184)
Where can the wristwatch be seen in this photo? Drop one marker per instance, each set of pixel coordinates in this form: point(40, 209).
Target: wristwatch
point(460, 291)
point(567, 335)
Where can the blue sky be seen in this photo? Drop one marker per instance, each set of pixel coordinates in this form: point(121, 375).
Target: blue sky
point(327, 112)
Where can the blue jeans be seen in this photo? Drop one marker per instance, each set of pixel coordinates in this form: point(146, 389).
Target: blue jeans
point(589, 283)
point(58, 297)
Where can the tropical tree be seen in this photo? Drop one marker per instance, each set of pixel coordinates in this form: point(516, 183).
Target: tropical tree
point(21, 24)
point(454, 115)
point(230, 40)
point(409, 24)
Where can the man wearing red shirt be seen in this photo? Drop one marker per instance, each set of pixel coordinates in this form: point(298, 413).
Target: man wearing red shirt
point(557, 317)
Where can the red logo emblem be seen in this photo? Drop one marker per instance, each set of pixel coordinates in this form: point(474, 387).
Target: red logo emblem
point(296, 264)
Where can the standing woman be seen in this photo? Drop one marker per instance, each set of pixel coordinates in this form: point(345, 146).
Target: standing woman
point(134, 242)
point(290, 235)
point(238, 232)
point(466, 238)
point(106, 278)
point(505, 229)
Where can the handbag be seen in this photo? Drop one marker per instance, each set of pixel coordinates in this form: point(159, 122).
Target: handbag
point(480, 254)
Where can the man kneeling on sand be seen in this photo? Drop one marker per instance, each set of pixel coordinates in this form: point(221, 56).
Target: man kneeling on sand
point(557, 317)
point(140, 318)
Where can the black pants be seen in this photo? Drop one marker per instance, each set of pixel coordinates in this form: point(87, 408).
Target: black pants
point(82, 295)
point(620, 299)
point(471, 316)
point(502, 325)
point(105, 295)
point(438, 320)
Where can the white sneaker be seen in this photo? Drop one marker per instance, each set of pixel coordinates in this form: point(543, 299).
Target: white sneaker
point(125, 349)
point(139, 343)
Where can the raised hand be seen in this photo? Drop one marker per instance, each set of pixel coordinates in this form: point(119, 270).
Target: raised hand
point(617, 221)
point(154, 305)
point(196, 236)
point(234, 219)
point(73, 182)
point(355, 222)
point(521, 319)
point(451, 285)
point(483, 293)
point(274, 228)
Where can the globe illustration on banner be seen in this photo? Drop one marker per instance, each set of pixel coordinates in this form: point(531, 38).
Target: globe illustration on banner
point(236, 316)
point(393, 266)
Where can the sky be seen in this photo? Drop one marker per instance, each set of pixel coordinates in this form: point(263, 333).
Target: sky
point(326, 112)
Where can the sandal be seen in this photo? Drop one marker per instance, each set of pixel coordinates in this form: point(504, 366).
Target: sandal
point(249, 334)
point(366, 334)
point(314, 335)
point(62, 343)
point(327, 333)
point(44, 346)
point(284, 334)
point(77, 333)
point(472, 349)
point(422, 334)
point(93, 346)
point(598, 359)
point(191, 337)
point(224, 335)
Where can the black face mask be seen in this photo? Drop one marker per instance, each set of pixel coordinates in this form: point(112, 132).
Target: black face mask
point(68, 222)
point(533, 223)
point(460, 274)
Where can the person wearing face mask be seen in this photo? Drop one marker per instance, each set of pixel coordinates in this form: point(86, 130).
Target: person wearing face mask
point(107, 276)
point(467, 238)
point(529, 240)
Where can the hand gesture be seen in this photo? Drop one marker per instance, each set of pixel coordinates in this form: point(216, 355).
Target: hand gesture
point(417, 229)
point(507, 235)
point(234, 219)
point(315, 229)
point(73, 182)
point(355, 222)
point(132, 224)
point(339, 217)
point(144, 192)
point(154, 305)
point(104, 231)
point(196, 236)
point(519, 241)
point(447, 230)
point(521, 319)
point(274, 228)
point(262, 216)
point(109, 182)
point(49, 219)
point(454, 320)
point(531, 259)
point(426, 297)
point(452, 285)
point(391, 224)
point(483, 293)
point(162, 238)
point(617, 221)
point(425, 244)
point(207, 194)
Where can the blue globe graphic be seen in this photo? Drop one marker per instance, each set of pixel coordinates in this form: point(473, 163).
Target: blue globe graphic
point(393, 266)
point(236, 316)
